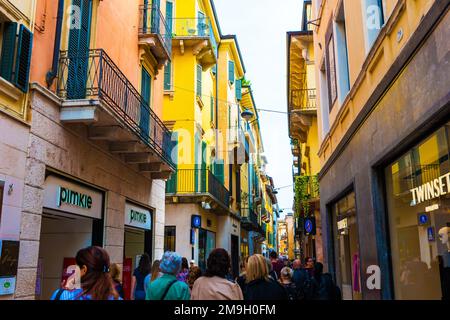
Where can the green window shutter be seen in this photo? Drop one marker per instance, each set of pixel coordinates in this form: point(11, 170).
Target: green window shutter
point(203, 167)
point(8, 50)
point(169, 16)
point(212, 107)
point(214, 69)
point(144, 123)
point(168, 76)
point(231, 71)
point(239, 90)
point(23, 61)
point(199, 80)
point(155, 16)
point(78, 52)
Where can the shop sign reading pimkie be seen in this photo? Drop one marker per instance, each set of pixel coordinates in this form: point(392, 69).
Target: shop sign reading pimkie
point(72, 197)
point(431, 190)
point(139, 217)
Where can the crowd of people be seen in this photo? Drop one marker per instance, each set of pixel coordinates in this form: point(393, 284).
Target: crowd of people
point(172, 278)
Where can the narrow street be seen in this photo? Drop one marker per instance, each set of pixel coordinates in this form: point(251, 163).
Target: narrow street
point(243, 150)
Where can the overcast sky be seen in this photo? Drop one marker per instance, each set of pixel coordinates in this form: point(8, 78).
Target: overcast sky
point(261, 26)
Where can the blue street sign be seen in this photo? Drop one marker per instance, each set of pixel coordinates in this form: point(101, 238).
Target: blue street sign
point(423, 219)
point(196, 221)
point(430, 232)
point(308, 226)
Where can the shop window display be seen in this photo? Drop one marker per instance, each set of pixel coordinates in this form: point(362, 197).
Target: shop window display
point(418, 201)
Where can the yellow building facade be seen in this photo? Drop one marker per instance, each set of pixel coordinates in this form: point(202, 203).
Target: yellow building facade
point(203, 102)
point(304, 134)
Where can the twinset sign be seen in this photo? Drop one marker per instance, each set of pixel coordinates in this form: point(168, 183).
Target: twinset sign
point(431, 190)
point(138, 217)
point(72, 197)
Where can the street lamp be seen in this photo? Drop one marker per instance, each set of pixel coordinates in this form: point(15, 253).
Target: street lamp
point(247, 115)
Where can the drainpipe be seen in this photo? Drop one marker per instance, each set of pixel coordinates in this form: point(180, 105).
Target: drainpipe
point(217, 99)
point(52, 74)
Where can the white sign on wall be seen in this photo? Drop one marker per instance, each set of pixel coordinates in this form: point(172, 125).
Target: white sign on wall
point(71, 197)
point(139, 217)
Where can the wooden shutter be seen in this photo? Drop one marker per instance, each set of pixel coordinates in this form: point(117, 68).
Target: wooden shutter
point(239, 90)
point(156, 16)
point(169, 16)
point(78, 52)
point(331, 66)
point(231, 71)
point(23, 60)
point(212, 107)
point(168, 76)
point(199, 80)
point(145, 105)
point(8, 50)
point(201, 26)
point(203, 168)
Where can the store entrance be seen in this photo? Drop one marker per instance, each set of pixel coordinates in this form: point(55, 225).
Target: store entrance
point(136, 242)
point(347, 256)
point(235, 255)
point(62, 235)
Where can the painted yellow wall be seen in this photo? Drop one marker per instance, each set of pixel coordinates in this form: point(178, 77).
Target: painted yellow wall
point(13, 101)
point(366, 68)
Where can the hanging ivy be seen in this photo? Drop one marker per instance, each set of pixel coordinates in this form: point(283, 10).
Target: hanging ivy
point(305, 189)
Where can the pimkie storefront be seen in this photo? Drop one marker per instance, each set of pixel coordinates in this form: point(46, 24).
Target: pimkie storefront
point(72, 218)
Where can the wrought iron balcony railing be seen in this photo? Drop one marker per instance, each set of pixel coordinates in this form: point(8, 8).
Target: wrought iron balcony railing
point(303, 99)
point(194, 28)
point(198, 181)
point(249, 216)
point(92, 75)
point(152, 21)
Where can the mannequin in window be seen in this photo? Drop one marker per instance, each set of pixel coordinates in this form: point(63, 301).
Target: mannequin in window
point(444, 260)
point(444, 236)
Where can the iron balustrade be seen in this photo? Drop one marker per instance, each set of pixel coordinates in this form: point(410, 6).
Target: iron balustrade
point(248, 215)
point(152, 21)
point(94, 76)
point(194, 28)
point(198, 181)
point(304, 99)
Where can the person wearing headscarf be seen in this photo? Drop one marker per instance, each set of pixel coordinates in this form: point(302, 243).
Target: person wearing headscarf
point(167, 287)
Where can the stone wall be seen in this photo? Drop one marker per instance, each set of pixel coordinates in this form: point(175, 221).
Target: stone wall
point(66, 149)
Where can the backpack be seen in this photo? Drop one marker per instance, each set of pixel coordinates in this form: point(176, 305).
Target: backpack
point(307, 288)
point(327, 289)
point(291, 291)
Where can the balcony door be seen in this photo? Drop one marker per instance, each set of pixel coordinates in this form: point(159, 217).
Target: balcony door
point(201, 24)
point(146, 94)
point(155, 16)
point(78, 51)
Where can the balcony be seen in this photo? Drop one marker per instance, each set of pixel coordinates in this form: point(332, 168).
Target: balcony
point(303, 100)
point(249, 220)
point(196, 34)
point(97, 94)
point(198, 185)
point(155, 35)
point(302, 108)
